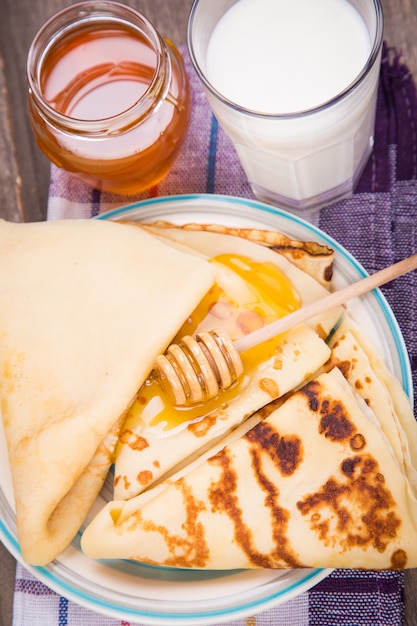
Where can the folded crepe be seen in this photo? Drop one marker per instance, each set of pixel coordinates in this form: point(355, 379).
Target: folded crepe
point(156, 437)
point(85, 307)
point(368, 374)
point(314, 484)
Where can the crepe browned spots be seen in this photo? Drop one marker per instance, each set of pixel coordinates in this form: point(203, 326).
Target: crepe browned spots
point(315, 484)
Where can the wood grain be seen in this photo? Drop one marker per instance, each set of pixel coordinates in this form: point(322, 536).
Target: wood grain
point(24, 171)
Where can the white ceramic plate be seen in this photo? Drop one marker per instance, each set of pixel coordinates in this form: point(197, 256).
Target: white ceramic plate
point(140, 593)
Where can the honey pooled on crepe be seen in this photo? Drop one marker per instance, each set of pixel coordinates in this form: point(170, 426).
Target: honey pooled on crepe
point(250, 296)
point(254, 286)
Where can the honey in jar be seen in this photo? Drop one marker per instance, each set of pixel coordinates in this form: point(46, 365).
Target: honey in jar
point(109, 99)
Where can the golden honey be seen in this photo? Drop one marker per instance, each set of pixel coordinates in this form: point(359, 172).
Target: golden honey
point(109, 99)
point(260, 289)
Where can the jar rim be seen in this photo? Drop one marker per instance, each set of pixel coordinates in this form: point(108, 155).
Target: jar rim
point(93, 12)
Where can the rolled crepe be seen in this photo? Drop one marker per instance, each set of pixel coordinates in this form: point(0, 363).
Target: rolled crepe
point(85, 307)
point(315, 484)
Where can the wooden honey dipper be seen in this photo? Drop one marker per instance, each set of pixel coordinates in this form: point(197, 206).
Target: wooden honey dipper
point(196, 369)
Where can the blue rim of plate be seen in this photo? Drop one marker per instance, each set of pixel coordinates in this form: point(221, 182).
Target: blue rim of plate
point(156, 618)
point(274, 597)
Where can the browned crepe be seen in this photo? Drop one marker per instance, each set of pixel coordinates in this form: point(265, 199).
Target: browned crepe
point(315, 484)
point(150, 445)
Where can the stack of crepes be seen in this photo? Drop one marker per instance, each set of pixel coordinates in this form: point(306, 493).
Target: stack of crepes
point(307, 461)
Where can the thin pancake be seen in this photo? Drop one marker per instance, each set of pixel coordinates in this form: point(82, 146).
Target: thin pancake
point(314, 258)
point(313, 485)
point(156, 437)
point(360, 363)
point(208, 244)
point(85, 307)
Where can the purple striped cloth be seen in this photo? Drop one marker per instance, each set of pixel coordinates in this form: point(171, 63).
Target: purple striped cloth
point(379, 226)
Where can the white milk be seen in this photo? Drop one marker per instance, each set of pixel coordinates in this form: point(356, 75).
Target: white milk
point(283, 56)
point(279, 58)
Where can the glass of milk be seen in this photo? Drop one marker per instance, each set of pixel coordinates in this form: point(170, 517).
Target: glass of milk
point(294, 85)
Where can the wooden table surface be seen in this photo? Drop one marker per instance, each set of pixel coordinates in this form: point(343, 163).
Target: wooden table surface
point(24, 171)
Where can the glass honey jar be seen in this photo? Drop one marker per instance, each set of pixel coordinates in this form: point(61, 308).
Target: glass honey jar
point(109, 99)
